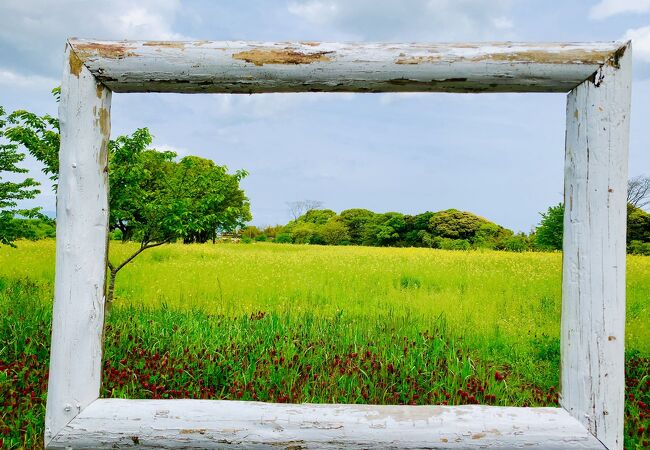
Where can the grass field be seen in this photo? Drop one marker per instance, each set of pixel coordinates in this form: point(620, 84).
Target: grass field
point(290, 323)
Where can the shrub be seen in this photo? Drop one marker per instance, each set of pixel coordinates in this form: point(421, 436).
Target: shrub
point(261, 238)
point(551, 229)
point(452, 244)
point(246, 240)
point(335, 232)
point(283, 238)
point(517, 243)
point(639, 248)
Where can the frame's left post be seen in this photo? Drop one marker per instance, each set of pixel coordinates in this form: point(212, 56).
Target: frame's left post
point(81, 246)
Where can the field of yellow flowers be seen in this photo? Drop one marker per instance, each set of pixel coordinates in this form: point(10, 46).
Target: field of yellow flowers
point(294, 323)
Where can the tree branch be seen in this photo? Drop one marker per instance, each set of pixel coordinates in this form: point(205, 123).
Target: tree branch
point(137, 252)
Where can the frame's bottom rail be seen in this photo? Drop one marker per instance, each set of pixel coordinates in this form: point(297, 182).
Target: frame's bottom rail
point(170, 424)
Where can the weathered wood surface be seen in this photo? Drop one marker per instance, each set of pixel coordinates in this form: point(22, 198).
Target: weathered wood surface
point(257, 67)
point(82, 233)
point(593, 292)
point(115, 423)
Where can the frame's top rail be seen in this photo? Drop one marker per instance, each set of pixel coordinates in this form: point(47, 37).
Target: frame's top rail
point(259, 67)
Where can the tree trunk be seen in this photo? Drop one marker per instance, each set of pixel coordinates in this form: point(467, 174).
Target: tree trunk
point(111, 286)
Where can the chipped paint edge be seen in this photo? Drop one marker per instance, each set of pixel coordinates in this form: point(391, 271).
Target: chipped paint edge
point(175, 424)
point(240, 66)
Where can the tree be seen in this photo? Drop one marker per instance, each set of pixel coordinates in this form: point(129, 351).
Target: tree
point(550, 232)
point(335, 232)
point(355, 220)
point(638, 191)
point(455, 224)
point(155, 200)
point(638, 225)
point(12, 191)
point(215, 202)
point(317, 216)
point(300, 207)
point(384, 229)
point(39, 135)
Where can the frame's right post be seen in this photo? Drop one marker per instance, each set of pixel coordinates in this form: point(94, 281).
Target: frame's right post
point(593, 287)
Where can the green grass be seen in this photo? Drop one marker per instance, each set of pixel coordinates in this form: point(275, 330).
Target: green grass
point(289, 323)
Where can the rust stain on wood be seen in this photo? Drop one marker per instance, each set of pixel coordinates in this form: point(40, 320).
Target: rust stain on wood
point(417, 59)
point(75, 64)
point(193, 431)
point(103, 120)
point(618, 54)
point(166, 44)
point(550, 57)
point(115, 50)
point(259, 57)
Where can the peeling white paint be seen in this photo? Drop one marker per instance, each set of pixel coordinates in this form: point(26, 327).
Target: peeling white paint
point(116, 423)
point(257, 67)
point(593, 288)
point(82, 232)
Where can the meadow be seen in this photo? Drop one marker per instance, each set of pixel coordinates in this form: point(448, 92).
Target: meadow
point(300, 323)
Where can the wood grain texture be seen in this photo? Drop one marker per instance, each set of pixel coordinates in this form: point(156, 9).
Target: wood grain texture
point(172, 424)
point(593, 288)
point(82, 232)
point(258, 67)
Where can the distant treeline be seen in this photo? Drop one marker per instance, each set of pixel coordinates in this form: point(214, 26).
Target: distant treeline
point(450, 229)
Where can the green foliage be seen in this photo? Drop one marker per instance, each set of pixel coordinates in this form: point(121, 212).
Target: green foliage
point(384, 229)
point(548, 235)
point(639, 248)
point(317, 216)
point(551, 229)
point(516, 243)
point(356, 220)
point(261, 238)
point(39, 135)
point(638, 224)
point(454, 224)
point(451, 229)
point(335, 232)
point(303, 232)
point(250, 231)
point(211, 198)
point(11, 191)
point(451, 244)
point(34, 229)
point(283, 238)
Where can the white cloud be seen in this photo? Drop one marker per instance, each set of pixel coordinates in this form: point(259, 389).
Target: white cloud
point(413, 20)
point(608, 8)
point(33, 32)
point(13, 79)
point(640, 42)
point(503, 23)
point(315, 11)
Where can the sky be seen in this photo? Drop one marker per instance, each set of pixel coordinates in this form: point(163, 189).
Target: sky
point(498, 155)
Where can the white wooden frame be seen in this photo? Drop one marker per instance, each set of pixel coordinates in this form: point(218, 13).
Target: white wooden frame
point(597, 77)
